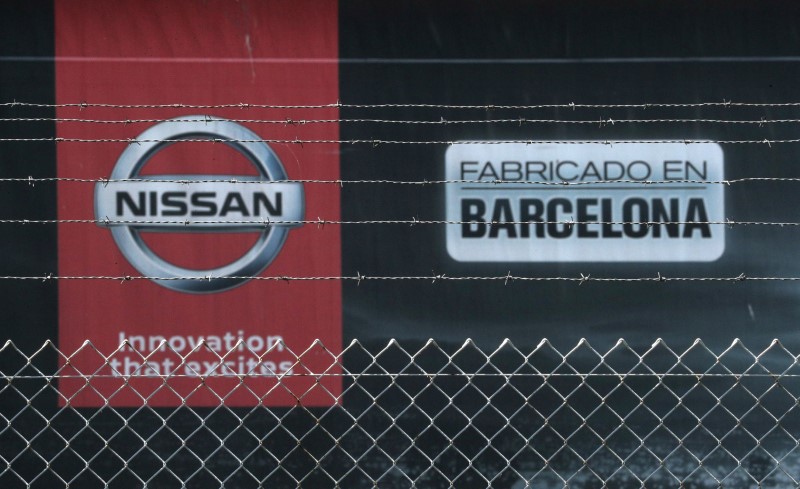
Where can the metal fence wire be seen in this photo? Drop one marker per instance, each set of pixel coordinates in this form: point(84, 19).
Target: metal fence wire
point(402, 414)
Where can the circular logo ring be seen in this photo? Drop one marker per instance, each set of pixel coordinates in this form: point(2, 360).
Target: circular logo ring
point(147, 262)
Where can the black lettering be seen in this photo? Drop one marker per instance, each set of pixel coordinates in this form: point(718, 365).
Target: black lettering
point(696, 214)
point(669, 169)
point(620, 168)
point(234, 203)
point(260, 199)
point(511, 170)
point(472, 210)
point(584, 216)
point(645, 176)
point(501, 215)
point(199, 202)
point(700, 174)
point(530, 171)
point(660, 215)
point(558, 170)
point(634, 228)
point(608, 217)
point(488, 170)
point(552, 215)
point(136, 210)
point(465, 170)
point(591, 170)
point(174, 200)
point(530, 210)
point(153, 203)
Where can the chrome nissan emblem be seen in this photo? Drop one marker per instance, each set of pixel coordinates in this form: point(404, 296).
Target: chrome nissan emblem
point(130, 203)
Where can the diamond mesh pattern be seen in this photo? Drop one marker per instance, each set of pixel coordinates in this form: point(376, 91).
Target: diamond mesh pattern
point(408, 415)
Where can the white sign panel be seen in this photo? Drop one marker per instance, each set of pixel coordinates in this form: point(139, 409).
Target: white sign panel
point(516, 206)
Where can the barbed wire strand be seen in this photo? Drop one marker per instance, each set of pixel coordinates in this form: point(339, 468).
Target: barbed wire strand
point(520, 120)
point(141, 372)
point(377, 142)
point(411, 222)
point(339, 104)
point(188, 181)
point(506, 279)
point(32, 180)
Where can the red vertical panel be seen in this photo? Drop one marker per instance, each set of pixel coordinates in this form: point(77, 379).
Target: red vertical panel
point(204, 53)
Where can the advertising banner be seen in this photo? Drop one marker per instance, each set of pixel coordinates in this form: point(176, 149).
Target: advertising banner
point(196, 194)
point(200, 147)
point(513, 113)
point(502, 206)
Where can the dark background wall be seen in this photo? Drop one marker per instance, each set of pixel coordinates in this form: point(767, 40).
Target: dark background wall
point(520, 53)
point(28, 309)
point(503, 53)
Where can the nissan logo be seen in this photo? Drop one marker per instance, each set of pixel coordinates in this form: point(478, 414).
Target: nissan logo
point(130, 203)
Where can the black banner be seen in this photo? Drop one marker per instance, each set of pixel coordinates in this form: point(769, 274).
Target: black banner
point(531, 53)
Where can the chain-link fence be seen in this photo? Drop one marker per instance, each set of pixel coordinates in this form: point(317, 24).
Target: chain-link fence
point(400, 415)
